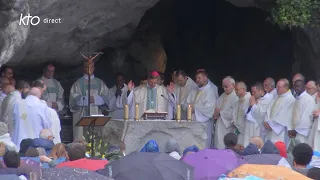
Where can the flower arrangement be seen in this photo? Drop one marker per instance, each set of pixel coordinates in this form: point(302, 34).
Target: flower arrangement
point(99, 147)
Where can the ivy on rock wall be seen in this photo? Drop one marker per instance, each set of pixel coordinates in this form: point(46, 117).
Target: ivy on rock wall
point(296, 13)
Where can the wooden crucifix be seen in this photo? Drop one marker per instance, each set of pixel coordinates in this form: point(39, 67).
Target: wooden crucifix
point(89, 59)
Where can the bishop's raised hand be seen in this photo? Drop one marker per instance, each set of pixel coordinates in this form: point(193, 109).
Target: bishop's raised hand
point(130, 85)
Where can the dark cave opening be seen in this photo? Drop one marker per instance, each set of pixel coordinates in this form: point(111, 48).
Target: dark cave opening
point(222, 38)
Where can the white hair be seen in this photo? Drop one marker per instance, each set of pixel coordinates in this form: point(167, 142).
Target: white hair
point(230, 79)
point(271, 81)
point(242, 84)
point(312, 83)
point(45, 133)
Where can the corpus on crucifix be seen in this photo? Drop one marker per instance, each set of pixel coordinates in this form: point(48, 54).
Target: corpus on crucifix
point(88, 96)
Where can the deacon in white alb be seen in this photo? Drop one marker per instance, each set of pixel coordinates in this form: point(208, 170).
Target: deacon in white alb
point(116, 94)
point(239, 110)
point(184, 88)
point(259, 102)
point(54, 91)
point(311, 89)
point(223, 112)
point(279, 113)
point(203, 102)
point(302, 118)
point(270, 86)
point(78, 100)
point(314, 137)
point(150, 97)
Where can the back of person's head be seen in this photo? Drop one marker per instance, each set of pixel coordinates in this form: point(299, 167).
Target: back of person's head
point(59, 150)
point(282, 148)
point(38, 84)
point(25, 144)
point(76, 151)
point(20, 85)
point(32, 152)
point(35, 92)
point(314, 173)
point(256, 140)
point(171, 146)
point(11, 159)
point(46, 134)
point(230, 140)
point(269, 148)
point(302, 154)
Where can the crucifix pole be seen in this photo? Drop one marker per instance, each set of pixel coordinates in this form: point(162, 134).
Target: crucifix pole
point(90, 63)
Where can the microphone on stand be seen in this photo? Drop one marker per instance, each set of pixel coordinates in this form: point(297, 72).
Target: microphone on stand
point(174, 108)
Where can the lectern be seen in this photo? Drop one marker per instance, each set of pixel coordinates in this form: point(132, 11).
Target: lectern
point(93, 121)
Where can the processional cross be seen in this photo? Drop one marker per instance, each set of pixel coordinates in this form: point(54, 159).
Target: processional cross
point(90, 59)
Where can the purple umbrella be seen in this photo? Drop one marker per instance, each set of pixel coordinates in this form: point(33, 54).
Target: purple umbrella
point(210, 164)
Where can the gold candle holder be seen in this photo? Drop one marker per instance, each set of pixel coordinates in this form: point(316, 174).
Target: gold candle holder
point(137, 117)
point(189, 112)
point(126, 112)
point(178, 115)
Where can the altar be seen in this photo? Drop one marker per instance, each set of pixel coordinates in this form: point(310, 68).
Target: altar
point(136, 133)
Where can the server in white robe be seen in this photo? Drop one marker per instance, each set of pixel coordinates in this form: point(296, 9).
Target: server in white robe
point(259, 102)
point(30, 117)
point(270, 86)
point(302, 118)
point(239, 111)
point(314, 137)
point(279, 113)
point(54, 91)
point(10, 100)
point(202, 101)
point(151, 97)
point(78, 100)
point(311, 89)
point(115, 96)
point(223, 113)
point(185, 86)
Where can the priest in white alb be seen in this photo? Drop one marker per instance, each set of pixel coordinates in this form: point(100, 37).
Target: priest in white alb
point(151, 98)
point(239, 110)
point(279, 113)
point(54, 91)
point(115, 97)
point(78, 100)
point(215, 88)
point(259, 102)
point(184, 87)
point(314, 137)
point(302, 118)
point(270, 86)
point(223, 112)
point(297, 76)
point(29, 117)
point(312, 89)
point(202, 101)
point(22, 89)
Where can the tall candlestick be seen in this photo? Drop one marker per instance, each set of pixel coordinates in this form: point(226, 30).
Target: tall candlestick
point(178, 117)
point(126, 112)
point(137, 117)
point(189, 112)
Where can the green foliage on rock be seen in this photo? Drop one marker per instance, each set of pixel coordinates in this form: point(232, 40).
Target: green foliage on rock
point(296, 13)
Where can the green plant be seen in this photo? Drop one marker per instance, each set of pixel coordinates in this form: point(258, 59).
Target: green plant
point(296, 13)
point(99, 147)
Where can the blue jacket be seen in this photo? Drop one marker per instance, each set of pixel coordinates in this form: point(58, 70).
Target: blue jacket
point(43, 143)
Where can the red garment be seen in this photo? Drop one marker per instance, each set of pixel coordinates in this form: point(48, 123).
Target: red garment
point(282, 148)
point(83, 163)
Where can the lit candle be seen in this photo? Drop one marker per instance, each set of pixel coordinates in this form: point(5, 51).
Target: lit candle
point(189, 112)
point(178, 117)
point(137, 112)
point(126, 112)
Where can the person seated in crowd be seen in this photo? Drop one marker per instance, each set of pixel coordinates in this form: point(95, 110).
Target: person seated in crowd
point(45, 141)
point(24, 146)
point(76, 159)
point(150, 146)
point(12, 162)
point(314, 173)
point(32, 152)
point(251, 149)
point(302, 155)
point(11, 159)
point(269, 148)
point(230, 141)
point(116, 150)
point(172, 148)
point(57, 156)
point(5, 137)
point(281, 148)
point(256, 140)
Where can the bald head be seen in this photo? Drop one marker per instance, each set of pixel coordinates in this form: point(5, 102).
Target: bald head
point(241, 89)
point(8, 89)
point(35, 92)
point(298, 76)
point(269, 84)
point(311, 87)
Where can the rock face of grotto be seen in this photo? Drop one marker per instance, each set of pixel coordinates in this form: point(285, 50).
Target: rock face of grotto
point(136, 36)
